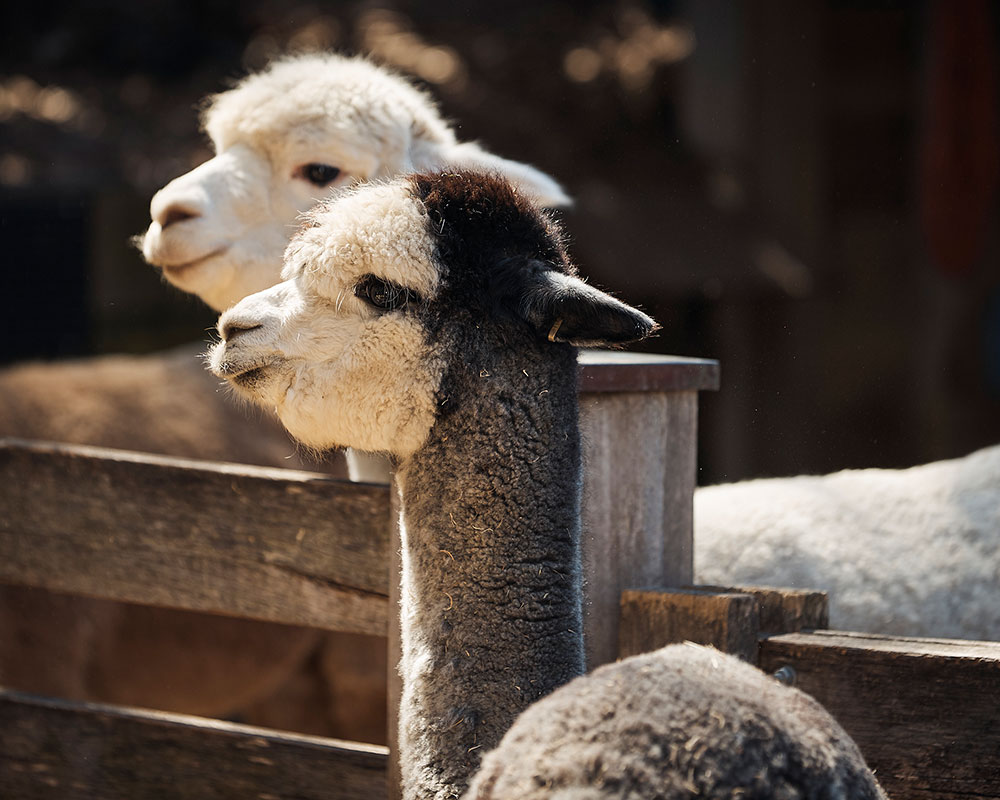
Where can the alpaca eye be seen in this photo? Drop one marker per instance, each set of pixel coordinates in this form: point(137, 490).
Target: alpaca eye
point(384, 294)
point(318, 174)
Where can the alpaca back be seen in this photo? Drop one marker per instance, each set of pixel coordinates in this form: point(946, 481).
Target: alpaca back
point(910, 552)
point(684, 721)
point(164, 403)
point(87, 649)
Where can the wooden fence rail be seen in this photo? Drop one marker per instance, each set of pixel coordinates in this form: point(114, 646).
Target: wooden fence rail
point(275, 545)
point(924, 712)
point(298, 548)
point(302, 548)
point(57, 750)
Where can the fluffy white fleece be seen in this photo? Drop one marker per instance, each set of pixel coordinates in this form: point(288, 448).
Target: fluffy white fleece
point(912, 552)
point(219, 231)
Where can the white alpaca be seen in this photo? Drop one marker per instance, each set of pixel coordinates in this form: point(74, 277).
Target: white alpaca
point(300, 130)
point(912, 552)
point(834, 533)
point(434, 318)
point(284, 138)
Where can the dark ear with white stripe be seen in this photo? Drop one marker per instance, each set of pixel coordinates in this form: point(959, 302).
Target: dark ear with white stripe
point(565, 309)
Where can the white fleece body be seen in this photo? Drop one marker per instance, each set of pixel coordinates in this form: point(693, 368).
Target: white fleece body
point(219, 231)
point(911, 552)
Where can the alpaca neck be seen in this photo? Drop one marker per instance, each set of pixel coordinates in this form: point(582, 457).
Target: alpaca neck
point(491, 611)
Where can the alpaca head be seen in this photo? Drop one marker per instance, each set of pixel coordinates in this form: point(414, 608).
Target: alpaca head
point(284, 139)
point(393, 289)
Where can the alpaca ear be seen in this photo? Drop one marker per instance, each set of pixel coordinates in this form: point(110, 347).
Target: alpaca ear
point(565, 309)
point(531, 181)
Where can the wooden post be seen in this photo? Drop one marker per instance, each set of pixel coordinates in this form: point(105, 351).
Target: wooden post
point(731, 619)
point(639, 416)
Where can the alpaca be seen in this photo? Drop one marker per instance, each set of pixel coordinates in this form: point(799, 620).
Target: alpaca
point(436, 318)
point(774, 532)
point(164, 404)
point(913, 552)
point(662, 725)
point(87, 649)
point(301, 129)
point(285, 137)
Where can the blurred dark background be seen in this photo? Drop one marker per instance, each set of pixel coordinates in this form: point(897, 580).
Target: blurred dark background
point(803, 189)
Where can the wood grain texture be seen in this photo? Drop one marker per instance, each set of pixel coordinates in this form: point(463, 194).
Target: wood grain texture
point(276, 545)
point(652, 619)
point(925, 712)
point(783, 610)
point(638, 484)
point(55, 750)
point(301, 548)
point(617, 371)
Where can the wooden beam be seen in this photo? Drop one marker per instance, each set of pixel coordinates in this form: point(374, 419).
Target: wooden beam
point(639, 463)
point(923, 711)
point(731, 619)
point(783, 610)
point(653, 619)
point(56, 750)
point(269, 544)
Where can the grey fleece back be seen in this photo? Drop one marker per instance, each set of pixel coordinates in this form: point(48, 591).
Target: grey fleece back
point(682, 722)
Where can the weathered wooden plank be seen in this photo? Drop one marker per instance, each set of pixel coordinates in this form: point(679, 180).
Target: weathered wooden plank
point(653, 619)
point(783, 610)
point(56, 750)
point(617, 371)
point(638, 485)
point(278, 545)
point(925, 712)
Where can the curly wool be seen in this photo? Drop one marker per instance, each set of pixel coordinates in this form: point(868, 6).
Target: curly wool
point(490, 591)
point(913, 552)
point(682, 722)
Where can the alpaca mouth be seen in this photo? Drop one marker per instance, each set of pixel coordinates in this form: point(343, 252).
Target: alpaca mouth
point(244, 374)
point(239, 373)
point(249, 378)
point(177, 270)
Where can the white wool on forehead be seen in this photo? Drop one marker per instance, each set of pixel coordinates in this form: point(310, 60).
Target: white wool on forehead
point(382, 230)
point(329, 89)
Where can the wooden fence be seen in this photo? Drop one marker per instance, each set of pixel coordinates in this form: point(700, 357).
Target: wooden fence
point(925, 712)
point(305, 549)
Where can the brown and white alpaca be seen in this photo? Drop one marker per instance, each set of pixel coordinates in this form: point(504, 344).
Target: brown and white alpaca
point(435, 319)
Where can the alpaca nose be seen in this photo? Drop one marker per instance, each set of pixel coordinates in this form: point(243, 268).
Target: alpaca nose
point(230, 328)
point(174, 213)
